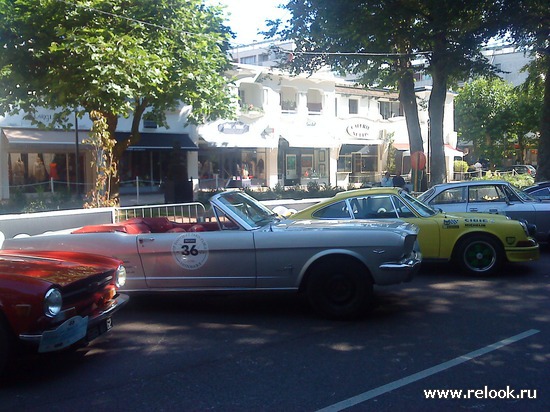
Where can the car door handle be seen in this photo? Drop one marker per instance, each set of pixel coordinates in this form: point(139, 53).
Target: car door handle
point(146, 239)
point(495, 211)
point(473, 209)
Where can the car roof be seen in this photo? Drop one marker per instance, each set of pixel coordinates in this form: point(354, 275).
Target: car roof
point(538, 185)
point(471, 183)
point(366, 191)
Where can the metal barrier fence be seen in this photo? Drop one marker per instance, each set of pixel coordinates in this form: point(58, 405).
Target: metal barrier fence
point(177, 212)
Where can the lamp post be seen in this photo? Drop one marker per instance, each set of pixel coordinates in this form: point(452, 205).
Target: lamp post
point(77, 154)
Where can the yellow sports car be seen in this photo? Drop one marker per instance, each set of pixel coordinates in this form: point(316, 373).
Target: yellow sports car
point(479, 242)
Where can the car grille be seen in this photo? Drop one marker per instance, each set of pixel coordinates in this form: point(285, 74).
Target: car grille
point(89, 294)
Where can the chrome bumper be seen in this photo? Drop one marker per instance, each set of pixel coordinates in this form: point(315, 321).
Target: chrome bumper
point(93, 320)
point(401, 271)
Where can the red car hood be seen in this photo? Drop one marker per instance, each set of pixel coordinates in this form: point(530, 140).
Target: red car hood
point(60, 268)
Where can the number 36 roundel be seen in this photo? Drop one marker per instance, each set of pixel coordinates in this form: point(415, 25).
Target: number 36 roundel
point(190, 250)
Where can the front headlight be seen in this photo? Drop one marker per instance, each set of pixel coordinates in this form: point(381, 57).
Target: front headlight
point(529, 228)
point(524, 226)
point(53, 302)
point(120, 276)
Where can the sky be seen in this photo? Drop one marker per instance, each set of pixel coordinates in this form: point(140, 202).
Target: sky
point(247, 17)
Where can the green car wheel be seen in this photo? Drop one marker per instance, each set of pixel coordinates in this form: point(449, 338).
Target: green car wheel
point(480, 255)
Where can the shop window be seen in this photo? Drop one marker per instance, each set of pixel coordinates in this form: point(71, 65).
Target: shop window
point(353, 106)
point(314, 101)
point(307, 166)
point(288, 98)
point(390, 109)
point(290, 166)
point(149, 124)
point(248, 60)
point(33, 171)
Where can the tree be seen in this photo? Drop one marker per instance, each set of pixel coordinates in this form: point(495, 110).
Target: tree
point(120, 58)
point(529, 24)
point(525, 115)
point(381, 40)
point(482, 110)
point(495, 117)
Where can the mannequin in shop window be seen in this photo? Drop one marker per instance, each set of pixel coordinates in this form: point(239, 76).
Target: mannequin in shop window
point(19, 172)
point(260, 169)
point(53, 171)
point(39, 170)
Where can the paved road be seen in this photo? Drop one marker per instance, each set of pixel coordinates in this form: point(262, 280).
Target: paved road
point(270, 353)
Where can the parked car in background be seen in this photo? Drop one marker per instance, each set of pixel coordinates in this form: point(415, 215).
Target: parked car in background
point(247, 247)
point(51, 300)
point(519, 169)
point(491, 196)
point(480, 243)
point(540, 190)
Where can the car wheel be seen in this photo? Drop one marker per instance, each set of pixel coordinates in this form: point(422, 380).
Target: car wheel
point(339, 289)
point(480, 255)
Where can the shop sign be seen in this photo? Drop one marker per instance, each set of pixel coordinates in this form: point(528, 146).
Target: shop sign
point(359, 130)
point(233, 128)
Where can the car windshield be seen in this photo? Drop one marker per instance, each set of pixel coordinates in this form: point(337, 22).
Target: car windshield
point(421, 208)
point(247, 208)
point(525, 197)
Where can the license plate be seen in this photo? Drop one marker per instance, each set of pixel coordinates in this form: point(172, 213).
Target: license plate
point(99, 329)
point(69, 332)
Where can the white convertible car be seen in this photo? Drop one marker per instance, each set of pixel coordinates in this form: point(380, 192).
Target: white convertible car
point(247, 247)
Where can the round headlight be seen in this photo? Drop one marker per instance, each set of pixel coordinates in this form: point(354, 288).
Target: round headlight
point(120, 276)
point(53, 301)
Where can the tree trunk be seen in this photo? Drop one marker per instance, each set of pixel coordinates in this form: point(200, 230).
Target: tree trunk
point(436, 111)
point(407, 97)
point(543, 161)
point(121, 146)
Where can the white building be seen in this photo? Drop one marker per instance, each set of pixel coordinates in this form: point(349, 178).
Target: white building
point(289, 130)
point(304, 128)
point(34, 160)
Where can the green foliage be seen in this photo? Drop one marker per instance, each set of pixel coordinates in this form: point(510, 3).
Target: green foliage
point(114, 56)
point(119, 58)
point(481, 109)
point(41, 201)
point(103, 162)
point(313, 187)
point(495, 116)
point(380, 41)
point(390, 163)
point(518, 180)
point(460, 166)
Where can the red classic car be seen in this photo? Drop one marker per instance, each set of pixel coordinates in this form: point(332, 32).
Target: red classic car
point(52, 300)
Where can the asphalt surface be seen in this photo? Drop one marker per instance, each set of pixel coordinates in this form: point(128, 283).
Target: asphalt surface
point(443, 331)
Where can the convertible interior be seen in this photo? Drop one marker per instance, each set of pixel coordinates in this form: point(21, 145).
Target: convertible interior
point(139, 225)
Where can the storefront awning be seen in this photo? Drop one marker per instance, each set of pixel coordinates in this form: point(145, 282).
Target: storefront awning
point(450, 151)
point(347, 149)
point(39, 141)
point(160, 141)
point(61, 141)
